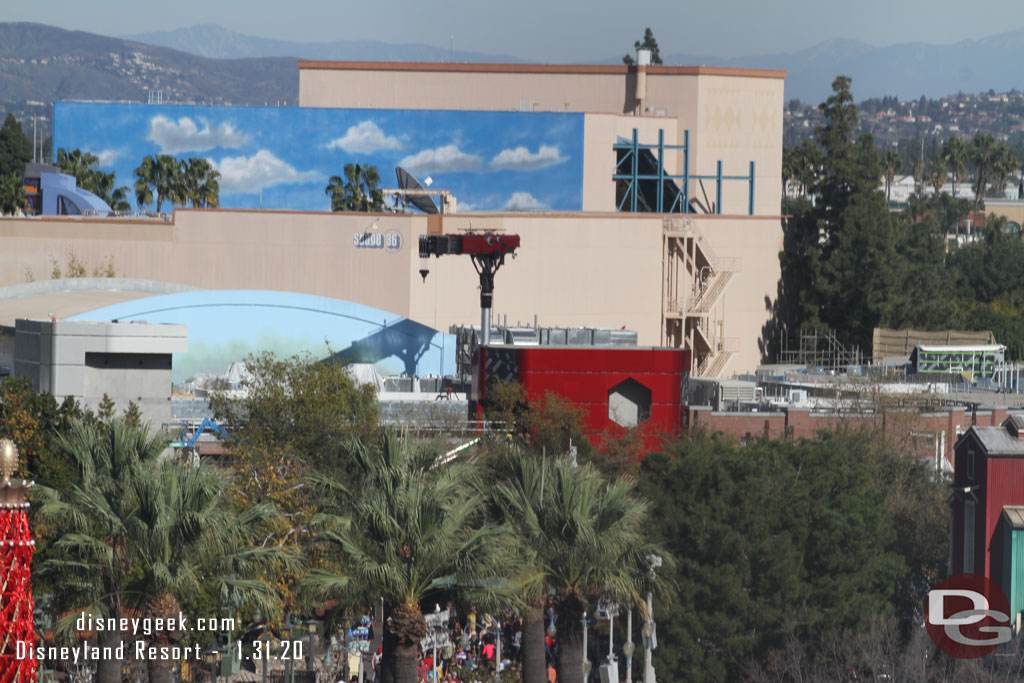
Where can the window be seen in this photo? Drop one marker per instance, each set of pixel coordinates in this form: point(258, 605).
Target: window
point(968, 536)
point(970, 465)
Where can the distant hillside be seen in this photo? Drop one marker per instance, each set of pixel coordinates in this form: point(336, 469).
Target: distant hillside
point(906, 70)
point(40, 64)
point(211, 40)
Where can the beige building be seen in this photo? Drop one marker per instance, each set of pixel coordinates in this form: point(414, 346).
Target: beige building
point(699, 280)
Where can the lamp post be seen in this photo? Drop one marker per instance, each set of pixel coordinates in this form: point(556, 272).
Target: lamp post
point(628, 648)
point(265, 652)
point(653, 562)
point(212, 657)
point(346, 623)
point(586, 659)
point(288, 630)
point(311, 630)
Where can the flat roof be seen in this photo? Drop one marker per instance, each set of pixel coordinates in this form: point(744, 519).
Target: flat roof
point(977, 348)
point(582, 69)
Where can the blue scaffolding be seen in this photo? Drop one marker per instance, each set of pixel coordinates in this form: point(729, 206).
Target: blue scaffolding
point(642, 165)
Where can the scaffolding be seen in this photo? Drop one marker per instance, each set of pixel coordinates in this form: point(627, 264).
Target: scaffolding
point(820, 350)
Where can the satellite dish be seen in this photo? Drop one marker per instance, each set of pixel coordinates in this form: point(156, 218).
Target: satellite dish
point(423, 202)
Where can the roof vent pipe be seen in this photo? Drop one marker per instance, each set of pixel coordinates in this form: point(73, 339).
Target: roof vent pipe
point(643, 60)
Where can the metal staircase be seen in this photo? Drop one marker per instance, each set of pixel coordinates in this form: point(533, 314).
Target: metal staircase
point(695, 281)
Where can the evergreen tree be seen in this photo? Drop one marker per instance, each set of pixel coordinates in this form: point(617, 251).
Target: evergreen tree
point(648, 43)
point(15, 148)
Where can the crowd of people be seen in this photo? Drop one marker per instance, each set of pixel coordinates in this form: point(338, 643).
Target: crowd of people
point(476, 648)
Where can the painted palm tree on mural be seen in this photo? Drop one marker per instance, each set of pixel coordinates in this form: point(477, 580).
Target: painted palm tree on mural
point(416, 526)
point(357, 191)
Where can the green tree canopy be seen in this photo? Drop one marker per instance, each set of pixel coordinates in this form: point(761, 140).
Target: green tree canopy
point(15, 148)
point(82, 165)
point(768, 535)
point(161, 175)
point(648, 43)
point(408, 525)
point(357, 191)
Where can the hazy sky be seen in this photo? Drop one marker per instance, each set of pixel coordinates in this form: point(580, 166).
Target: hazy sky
point(551, 30)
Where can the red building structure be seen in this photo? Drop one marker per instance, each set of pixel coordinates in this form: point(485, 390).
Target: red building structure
point(617, 388)
point(17, 631)
point(988, 477)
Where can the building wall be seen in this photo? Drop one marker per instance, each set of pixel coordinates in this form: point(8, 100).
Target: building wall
point(572, 270)
point(803, 423)
point(502, 87)
point(128, 362)
point(600, 132)
point(732, 114)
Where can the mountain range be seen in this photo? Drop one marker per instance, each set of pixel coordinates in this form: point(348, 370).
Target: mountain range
point(210, 64)
point(907, 70)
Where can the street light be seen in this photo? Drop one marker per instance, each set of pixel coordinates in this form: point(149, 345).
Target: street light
point(212, 657)
point(311, 629)
point(649, 630)
point(628, 648)
point(288, 630)
point(265, 651)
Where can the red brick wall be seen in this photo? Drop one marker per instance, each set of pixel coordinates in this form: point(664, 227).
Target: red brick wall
point(803, 424)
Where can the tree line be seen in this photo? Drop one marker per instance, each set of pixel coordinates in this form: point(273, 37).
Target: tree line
point(850, 264)
point(159, 177)
point(319, 510)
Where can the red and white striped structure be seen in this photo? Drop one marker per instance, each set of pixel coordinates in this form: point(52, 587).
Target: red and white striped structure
point(16, 548)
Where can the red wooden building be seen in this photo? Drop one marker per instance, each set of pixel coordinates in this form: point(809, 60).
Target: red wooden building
point(988, 477)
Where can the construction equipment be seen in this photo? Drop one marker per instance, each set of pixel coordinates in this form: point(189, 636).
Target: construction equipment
point(487, 251)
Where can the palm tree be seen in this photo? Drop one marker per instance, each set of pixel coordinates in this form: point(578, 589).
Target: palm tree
point(937, 174)
point(76, 163)
point(202, 187)
point(12, 194)
point(93, 518)
point(141, 537)
point(82, 165)
point(184, 535)
point(1004, 164)
point(358, 190)
point(954, 152)
point(158, 174)
point(581, 536)
point(414, 526)
point(982, 154)
point(891, 163)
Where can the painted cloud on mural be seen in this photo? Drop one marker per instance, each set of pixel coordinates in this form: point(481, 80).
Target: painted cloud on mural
point(261, 170)
point(446, 159)
point(522, 159)
point(523, 201)
point(185, 136)
point(364, 137)
point(281, 157)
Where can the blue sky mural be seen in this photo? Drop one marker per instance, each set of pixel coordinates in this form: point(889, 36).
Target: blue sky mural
point(282, 157)
point(227, 325)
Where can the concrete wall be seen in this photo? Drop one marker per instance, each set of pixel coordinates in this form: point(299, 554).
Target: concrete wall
point(87, 360)
point(574, 269)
